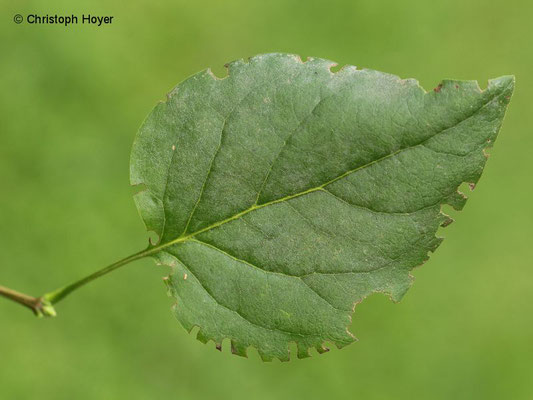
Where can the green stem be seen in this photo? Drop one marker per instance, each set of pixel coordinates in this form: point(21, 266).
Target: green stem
point(43, 306)
point(59, 294)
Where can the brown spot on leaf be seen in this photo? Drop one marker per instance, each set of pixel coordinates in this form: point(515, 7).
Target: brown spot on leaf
point(446, 222)
point(472, 186)
point(219, 347)
point(438, 88)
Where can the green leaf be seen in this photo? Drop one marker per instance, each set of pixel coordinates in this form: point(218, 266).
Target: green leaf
point(284, 194)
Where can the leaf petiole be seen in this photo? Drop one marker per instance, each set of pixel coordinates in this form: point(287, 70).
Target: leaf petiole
point(43, 305)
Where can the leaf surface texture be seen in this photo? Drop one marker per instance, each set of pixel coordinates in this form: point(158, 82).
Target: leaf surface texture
point(284, 194)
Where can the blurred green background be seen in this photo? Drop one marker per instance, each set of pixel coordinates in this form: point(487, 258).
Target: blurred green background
point(71, 100)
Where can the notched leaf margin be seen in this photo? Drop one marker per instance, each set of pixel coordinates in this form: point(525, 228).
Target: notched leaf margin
point(458, 204)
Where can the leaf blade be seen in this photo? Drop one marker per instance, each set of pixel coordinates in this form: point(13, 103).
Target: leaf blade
point(283, 193)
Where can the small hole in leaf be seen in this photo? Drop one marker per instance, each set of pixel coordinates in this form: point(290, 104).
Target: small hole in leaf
point(218, 72)
point(194, 330)
point(336, 68)
point(488, 150)
point(293, 351)
point(225, 346)
point(138, 188)
point(153, 238)
point(465, 188)
point(448, 220)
